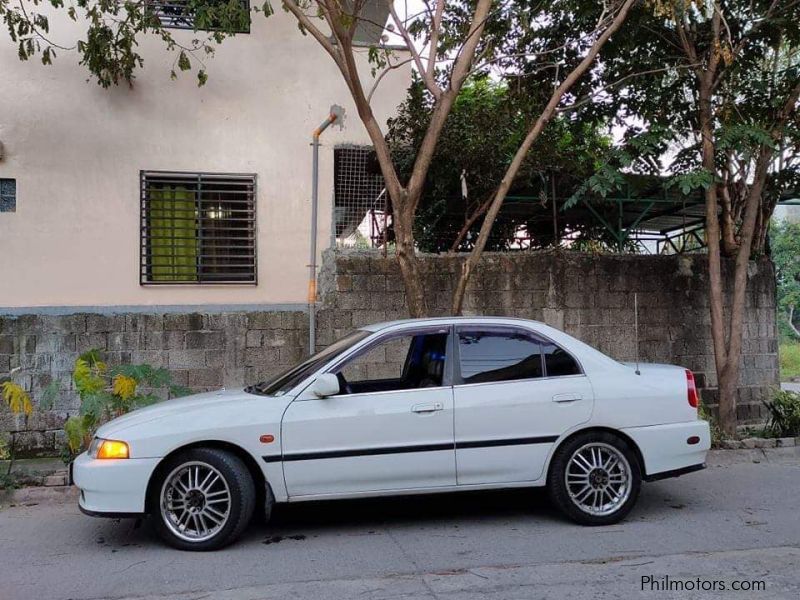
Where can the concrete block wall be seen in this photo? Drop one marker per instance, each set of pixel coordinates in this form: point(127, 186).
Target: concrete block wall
point(202, 351)
point(591, 297)
point(588, 296)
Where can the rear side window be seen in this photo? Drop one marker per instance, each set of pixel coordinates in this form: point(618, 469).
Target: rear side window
point(558, 362)
point(498, 355)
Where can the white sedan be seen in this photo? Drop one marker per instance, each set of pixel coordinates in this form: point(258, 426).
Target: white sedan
point(407, 407)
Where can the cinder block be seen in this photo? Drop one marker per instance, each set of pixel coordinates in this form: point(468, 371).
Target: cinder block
point(206, 340)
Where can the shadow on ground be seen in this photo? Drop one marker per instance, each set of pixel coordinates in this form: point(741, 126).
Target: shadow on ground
point(296, 522)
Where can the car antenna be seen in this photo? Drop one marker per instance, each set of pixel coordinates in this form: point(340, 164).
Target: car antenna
point(636, 328)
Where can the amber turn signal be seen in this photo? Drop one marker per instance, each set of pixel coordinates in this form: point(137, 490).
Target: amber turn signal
point(112, 449)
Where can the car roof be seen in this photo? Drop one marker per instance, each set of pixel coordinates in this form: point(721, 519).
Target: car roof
point(447, 321)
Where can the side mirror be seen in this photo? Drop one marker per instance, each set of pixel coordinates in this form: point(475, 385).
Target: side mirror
point(326, 385)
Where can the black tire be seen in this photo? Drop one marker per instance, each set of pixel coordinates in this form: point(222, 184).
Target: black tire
point(240, 491)
point(569, 502)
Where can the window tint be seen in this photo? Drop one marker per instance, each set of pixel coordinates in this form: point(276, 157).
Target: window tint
point(558, 362)
point(403, 362)
point(498, 355)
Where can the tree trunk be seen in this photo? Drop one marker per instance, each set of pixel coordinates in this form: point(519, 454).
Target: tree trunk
point(790, 318)
point(727, 387)
point(728, 224)
point(508, 179)
point(726, 379)
point(409, 264)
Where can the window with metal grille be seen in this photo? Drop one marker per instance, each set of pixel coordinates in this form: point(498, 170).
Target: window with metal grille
point(199, 14)
point(197, 228)
point(8, 195)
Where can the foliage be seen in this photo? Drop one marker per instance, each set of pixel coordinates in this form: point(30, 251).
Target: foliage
point(784, 409)
point(16, 398)
point(19, 402)
point(109, 45)
point(785, 246)
point(485, 127)
point(107, 393)
point(789, 360)
point(717, 435)
point(649, 84)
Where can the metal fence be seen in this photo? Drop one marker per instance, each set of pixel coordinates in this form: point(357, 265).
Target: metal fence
point(360, 204)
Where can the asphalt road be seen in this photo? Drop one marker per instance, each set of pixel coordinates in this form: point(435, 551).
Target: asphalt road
point(727, 523)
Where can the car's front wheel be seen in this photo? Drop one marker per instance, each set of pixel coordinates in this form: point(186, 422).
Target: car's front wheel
point(202, 499)
point(595, 478)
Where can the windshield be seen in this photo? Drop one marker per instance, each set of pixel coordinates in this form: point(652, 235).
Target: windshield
point(283, 382)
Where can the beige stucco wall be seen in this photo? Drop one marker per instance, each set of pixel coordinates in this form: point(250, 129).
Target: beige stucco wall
point(76, 151)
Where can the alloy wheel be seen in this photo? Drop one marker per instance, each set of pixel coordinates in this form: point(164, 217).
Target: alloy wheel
point(598, 479)
point(195, 501)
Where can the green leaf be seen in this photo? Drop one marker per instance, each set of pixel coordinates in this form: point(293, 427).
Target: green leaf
point(184, 64)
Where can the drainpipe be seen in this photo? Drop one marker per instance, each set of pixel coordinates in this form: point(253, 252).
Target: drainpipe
point(336, 115)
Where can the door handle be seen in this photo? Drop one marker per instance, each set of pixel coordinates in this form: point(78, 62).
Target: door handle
point(566, 398)
point(427, 407)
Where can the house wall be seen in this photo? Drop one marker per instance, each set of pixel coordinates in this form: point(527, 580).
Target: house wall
point(588, 296)
point(76, 151)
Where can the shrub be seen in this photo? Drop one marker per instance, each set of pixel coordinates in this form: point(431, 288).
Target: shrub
point(19, 402)
point(784, 414)
point(107, 393)
point(717, 435)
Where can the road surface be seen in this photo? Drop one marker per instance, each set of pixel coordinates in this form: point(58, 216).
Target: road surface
point(737, 523)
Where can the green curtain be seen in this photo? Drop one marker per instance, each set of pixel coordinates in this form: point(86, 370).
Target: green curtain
point(174, 243)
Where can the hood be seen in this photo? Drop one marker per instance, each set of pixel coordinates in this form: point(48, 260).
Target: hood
point(183, 407)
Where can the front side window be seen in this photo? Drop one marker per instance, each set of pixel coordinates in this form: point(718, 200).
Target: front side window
point(197, 228)
point(284, 382)
point(490, 355)
point(401, 362)
point(204, 15)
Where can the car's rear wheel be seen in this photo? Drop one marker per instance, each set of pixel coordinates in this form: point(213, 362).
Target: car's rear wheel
point(202, 499)
point(595, 478)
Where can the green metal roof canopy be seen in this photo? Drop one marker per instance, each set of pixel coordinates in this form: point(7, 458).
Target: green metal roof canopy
point(645, 209)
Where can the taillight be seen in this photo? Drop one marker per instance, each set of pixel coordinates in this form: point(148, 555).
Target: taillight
point(691, 392)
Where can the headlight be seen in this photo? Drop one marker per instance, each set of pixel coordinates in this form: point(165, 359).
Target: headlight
point(101, 448)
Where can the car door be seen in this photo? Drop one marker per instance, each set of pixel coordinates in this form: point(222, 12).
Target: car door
point(389, 428)
point(515, 393)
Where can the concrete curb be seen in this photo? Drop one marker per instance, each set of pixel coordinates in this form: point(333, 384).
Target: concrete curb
point(724, 458)
point(31, 496)
point(716, 458)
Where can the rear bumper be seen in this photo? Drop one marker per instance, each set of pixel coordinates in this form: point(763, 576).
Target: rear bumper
point(112, 488)
point(675, 473)
point(673, 449)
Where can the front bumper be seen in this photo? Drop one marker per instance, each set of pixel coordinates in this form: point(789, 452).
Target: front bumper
point(112, 488)
point(666, 449)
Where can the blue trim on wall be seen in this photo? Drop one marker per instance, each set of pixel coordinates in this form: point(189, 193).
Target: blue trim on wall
point(14, 311)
